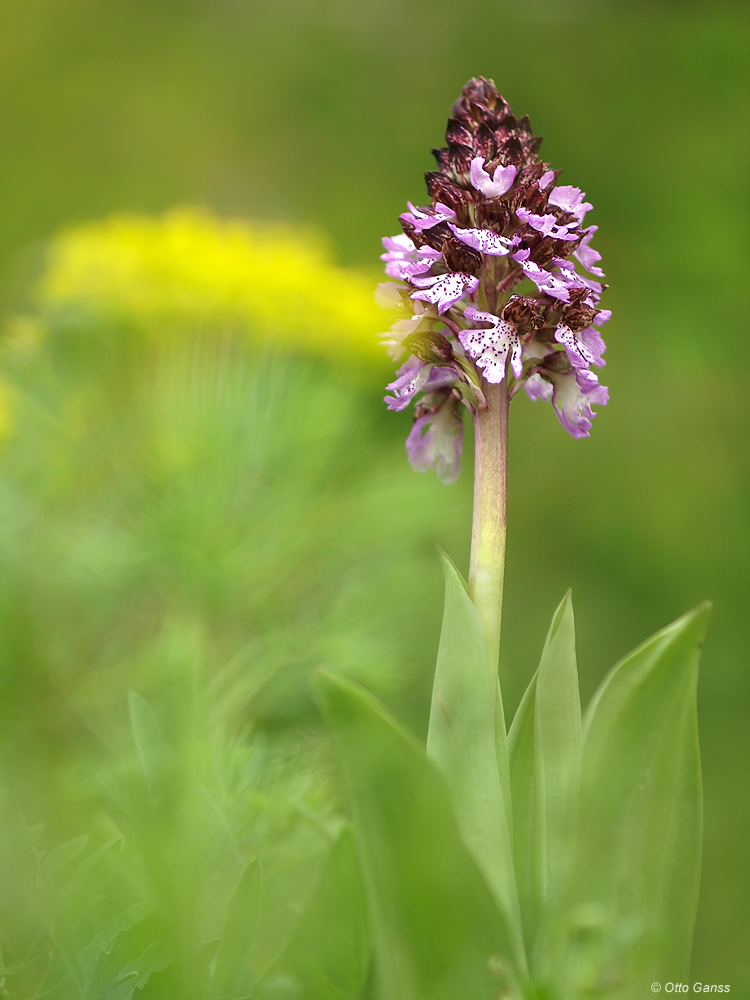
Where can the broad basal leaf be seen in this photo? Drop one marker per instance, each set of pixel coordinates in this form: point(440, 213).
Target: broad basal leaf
point(523, 776)
point(626, 919)
point(557, 737)
point(329, 953)
point(437, 931)
point(467, 738)
point(234, 974)
point(544, 745)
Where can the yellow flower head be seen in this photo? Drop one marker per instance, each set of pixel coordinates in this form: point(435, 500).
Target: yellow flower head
point(188, 269)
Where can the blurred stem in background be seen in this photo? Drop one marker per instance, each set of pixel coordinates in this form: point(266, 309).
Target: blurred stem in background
point(487, 569)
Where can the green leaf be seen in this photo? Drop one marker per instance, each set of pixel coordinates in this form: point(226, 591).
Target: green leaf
point(103, 940)
point(626, 919)
point(466, 742)
point(154, 753)
point(62, 856)
point(123, 957)
point(329, 952)
point(557, 737)
point(438, 933)
point(84, 883)
point(545, 740)
point(521, 740)
point(137, 972)
point(234, 974)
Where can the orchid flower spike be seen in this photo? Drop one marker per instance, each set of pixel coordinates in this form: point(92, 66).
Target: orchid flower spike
point(496, 219)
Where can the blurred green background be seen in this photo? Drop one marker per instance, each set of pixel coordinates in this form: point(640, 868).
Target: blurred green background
point(206, 515)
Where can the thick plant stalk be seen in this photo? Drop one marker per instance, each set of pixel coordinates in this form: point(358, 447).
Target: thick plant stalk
point(487, 569)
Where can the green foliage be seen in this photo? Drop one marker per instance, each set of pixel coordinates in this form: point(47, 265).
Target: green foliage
point(330, 950)
point(606, 826)
point(626, 914)
point(463, 743)
point(138, 556)
point(436, 929)
point(233, 973)
point(544, 742)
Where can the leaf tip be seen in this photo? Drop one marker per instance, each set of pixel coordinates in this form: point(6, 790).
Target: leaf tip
point(449, 567)
point(696, 621)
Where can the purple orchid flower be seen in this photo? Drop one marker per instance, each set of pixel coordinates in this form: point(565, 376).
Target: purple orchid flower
point(490, 347)
point(537, 388)
point(570, 199)
point(445, 289)
point(420, 220)
point(491, 187)
point(416, 376)
point(555, 285)
point(485, 240)
point(573, 394)
point(584, 348)
point(547, 225)
point(404, 260)
point(546, 179)
point(435, 442)
point(587, 255)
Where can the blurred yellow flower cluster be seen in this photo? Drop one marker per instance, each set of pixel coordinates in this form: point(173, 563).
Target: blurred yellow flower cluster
point(189, 269)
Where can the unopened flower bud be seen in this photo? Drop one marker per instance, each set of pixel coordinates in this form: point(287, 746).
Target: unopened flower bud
point(525, 314)
point(460, 257)
point(429, 346)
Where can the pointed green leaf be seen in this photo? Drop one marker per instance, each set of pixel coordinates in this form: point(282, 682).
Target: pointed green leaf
point(234, 975)
point(84, 882)
point(438, 933)
point(557, 736)
point(467, 744)
point(628, 912)
point(62, 856)
point(137, 972)
point(545, 741)
point(123, 957)
point(153, 750)
point(103, 940)
point(525, 811)
point(330, 949)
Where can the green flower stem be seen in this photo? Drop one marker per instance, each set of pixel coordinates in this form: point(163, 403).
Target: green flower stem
point(487, 567)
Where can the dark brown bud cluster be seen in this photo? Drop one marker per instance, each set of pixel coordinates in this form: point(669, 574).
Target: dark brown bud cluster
point(482, 124)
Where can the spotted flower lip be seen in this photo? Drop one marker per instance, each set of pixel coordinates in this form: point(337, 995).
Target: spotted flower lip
point(547, 225)
point(556, 285)
point(445, 289)
point(583, 349)
point(485, 240)
point(492, 187)
point(490, 346)
point(496, 218)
